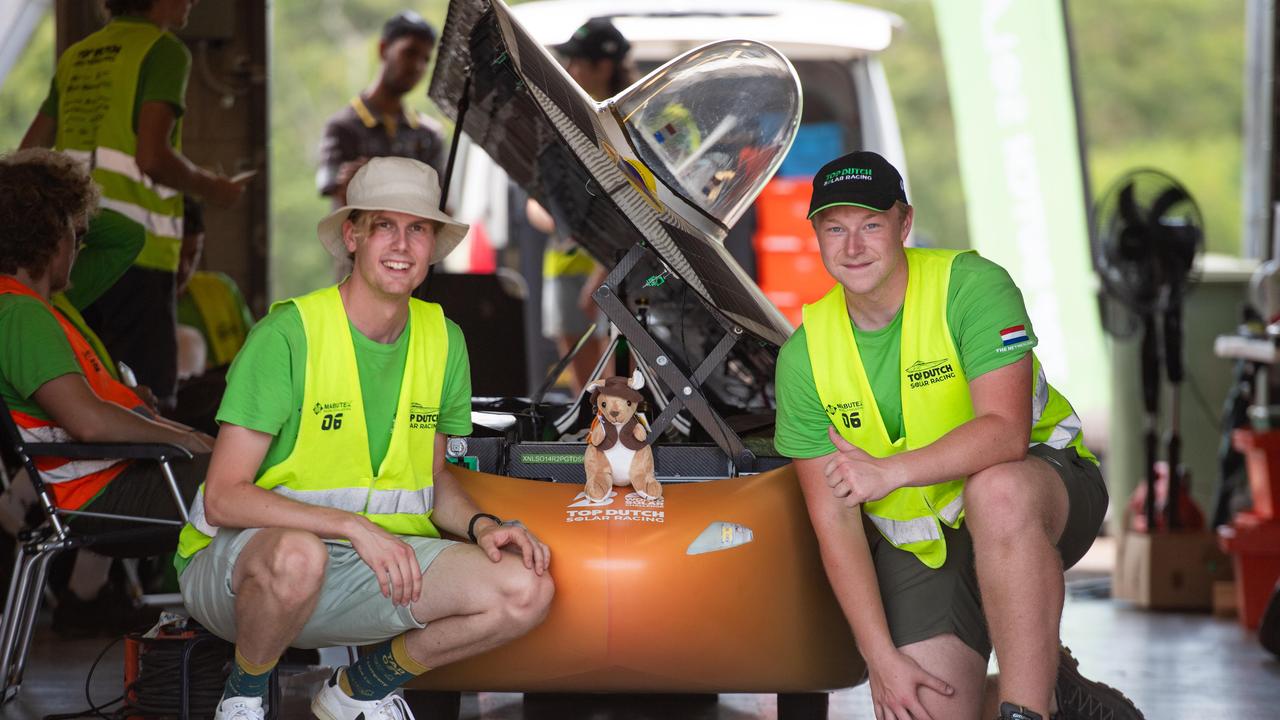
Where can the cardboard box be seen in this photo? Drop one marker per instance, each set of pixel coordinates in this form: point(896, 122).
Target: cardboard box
point(1224, 599)
point(1169, 571)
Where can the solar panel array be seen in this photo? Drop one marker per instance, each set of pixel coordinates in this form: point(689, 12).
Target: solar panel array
point(530, 118)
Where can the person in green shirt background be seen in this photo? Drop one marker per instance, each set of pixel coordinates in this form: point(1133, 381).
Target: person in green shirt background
point(213, 322)
point(910, 398)
point(116, 103)
point(56, 388)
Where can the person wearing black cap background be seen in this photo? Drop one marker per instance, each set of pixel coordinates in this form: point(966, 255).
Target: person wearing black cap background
point(376, 123)
point(597, 58)
point(947, 481)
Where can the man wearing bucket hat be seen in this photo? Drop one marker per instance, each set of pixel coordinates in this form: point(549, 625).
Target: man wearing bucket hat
point(915, 408)
point(319, 523)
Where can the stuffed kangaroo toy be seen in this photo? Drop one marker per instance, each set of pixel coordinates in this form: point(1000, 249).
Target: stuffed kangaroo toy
point(616, 450)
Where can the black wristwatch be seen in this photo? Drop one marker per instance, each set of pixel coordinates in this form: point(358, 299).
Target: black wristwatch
point(471, 526)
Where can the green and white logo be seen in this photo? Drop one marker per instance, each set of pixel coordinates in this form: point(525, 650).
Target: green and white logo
point(850, 173)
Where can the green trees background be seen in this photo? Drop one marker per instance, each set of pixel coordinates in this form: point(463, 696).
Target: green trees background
point(1161, 85)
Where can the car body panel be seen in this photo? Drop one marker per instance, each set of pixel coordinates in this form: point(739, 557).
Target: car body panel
point(635, 612)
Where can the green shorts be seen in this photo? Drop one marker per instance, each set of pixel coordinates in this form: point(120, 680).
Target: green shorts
point(351, 609)
point(920, 603)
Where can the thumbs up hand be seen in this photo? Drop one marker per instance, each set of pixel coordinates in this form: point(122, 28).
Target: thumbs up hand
point(856, 477)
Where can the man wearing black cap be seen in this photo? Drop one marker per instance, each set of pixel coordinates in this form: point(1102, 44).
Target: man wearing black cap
point(376, 123)
point(910, 399)
point(596, 58)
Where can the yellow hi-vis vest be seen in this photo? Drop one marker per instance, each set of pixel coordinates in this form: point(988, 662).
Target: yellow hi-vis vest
point(223, 321)
point(935, 400)
point(560, 261)
point(97, 81)
point(330, 463)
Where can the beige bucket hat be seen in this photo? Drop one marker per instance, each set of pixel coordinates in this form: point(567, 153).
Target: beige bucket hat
point(394, 183)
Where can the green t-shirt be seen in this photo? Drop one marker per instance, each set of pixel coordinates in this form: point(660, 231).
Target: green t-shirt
point(265, 384)
point(34, 352)
point(189, 313)
point(162, 77)
point(982, 300)
point(110, 246)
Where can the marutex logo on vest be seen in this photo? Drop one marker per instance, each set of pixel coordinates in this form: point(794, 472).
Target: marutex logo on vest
point(330, 407)
point(923, 373)
point(331, 414)
point(845, 413)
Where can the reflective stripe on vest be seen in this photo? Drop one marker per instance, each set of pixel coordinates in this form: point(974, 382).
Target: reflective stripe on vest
point(356, 500)
point(330, 463)
point(1053, 421)
point(921, 529)
point(58, 470)
point(97, 80)
point(73, 483)
point(935, 400)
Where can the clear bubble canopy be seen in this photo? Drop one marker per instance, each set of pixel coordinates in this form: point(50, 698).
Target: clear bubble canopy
point(714, 124)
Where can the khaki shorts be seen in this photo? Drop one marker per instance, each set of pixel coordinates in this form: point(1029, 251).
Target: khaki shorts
point(921, 603)
point(351, 609)
point(560, 312)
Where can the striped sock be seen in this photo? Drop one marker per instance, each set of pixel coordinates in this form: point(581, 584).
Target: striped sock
point(248, 679)
point(382, 670)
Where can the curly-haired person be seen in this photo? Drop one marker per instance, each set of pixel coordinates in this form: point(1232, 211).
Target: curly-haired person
point(54, 385)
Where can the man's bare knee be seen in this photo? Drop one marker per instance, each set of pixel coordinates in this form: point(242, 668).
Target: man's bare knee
point(526, 596)
point(999, 502)
point(1004, 502)
point(291, 568)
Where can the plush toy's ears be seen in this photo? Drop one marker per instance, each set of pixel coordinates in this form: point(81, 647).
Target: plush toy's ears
point(637, 381)
point(595, 385)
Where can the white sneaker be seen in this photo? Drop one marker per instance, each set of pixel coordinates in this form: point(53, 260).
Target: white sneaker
point(240, 708)
point(333, 704)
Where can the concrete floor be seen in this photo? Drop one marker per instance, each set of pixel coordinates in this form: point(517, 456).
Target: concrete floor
point(1174, 666)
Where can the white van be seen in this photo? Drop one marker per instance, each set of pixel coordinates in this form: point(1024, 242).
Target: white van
point(834, 47)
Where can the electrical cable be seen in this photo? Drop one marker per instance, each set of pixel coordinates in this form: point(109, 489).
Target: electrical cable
point(94, 710)
point(157, 691)
point(158, 688)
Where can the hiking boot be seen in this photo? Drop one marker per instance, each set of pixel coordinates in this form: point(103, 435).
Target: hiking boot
point(1080, 698)
point(333, 704)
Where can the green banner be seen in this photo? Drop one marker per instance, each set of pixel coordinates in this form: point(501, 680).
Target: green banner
point(1010, 84)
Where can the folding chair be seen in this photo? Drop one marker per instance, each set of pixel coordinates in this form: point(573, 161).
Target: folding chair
point(37, 545)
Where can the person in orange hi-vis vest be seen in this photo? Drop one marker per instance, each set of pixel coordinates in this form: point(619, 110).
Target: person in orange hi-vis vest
point(54, 384)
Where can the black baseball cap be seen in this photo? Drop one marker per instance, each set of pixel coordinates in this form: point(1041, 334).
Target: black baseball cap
point(408, 22)
point(861, 178)
point(597, 39)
